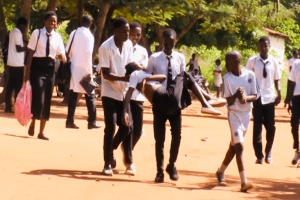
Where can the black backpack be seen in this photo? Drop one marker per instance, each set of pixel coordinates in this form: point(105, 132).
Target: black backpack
point(5, 49)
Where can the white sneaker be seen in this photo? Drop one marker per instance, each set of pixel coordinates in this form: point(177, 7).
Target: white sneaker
point(107, 171)
point(131, 170)
point(211, 111)
point(217, 102)
point(296, 158)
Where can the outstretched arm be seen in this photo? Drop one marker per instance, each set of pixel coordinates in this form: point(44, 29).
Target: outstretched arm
point(158, 77)
point(113, 77)
point(126, 107)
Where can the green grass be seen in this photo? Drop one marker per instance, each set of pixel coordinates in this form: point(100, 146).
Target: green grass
point(283, 84)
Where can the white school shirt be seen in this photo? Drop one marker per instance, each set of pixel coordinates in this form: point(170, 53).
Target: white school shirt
point(158, 64)
point(80, 56)
point(266, 85)
point(14, 58)
point(291, 61)
point(110, 57)
point(140, 56)
point(295, 76)
point(247, 81)
point(137, 77)
point(56, 44)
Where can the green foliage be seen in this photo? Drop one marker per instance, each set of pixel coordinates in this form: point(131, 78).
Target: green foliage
point(62, 31)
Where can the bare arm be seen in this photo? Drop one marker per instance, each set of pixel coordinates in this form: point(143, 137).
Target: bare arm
point(62, 57)
point(28, 64)
point(113, 77)
point(126, 106)
point(290, 91)
point(277, 87)
point(158, 77)
point(19, 48)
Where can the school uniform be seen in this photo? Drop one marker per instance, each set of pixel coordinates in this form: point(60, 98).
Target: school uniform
point(294, 76)
point(239, 114)
point(81, 65)
point(159, 64)
point(15, 63)
point(112, 94)
point(264, 106)
point(42, 70)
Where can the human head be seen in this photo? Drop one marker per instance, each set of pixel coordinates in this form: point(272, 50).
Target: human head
point(130, 67)
point(135, 33)
point(169, 40)
point(50, 21)
point(86, 21)
point(296, 53)
point(22, 24)
point(121, 29)
point(218, 62)
point(232, 61)
point(193, 56)
point(264, 45)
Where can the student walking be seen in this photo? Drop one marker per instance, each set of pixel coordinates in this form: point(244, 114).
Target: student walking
point(81, 65)
point(218, 77)
point(267, 73)
point(44, 45)
point(15, 62)
point(239, 90)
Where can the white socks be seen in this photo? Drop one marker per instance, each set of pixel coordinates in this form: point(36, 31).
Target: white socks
point(243, 177)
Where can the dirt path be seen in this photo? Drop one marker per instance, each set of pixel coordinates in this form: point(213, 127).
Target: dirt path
point(69, 165)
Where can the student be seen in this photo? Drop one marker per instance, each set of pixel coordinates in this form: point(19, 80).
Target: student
point(81, 65)
point(15, 62)
point(293, 100)
point(114, 54)
point(239, 90)
point(218, 77)
point(267, 73)
point(169, 63)
point(44, 45)
point(193, 65)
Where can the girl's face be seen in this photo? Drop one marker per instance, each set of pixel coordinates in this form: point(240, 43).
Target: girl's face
point(135, 35)
point(50, 23)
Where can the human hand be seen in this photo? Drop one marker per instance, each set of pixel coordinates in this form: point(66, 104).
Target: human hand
point(290, 106)
point(278, 99)
point(240, 93)
point(125, 119)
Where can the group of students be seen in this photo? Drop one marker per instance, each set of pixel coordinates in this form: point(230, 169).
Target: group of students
point(128, 76)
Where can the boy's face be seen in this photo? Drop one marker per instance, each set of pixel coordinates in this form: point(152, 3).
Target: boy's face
point(263, 47)
point(135, 35)
point(230, 63)
point(169, 43)
point(51, 23)
point(218, 63)
point(122, 33)
point(296, 55)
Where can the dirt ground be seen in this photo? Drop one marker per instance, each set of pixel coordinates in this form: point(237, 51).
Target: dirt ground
point(69, 165)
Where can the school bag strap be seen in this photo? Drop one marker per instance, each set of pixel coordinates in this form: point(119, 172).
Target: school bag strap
point(71, 44)
point(37, 41)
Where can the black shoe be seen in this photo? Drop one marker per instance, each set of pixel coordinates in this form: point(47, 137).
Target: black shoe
point(159, 178)
point(221, 179)
point(42, 137)
point(94, 125)
point(171, 170)
point(31, 131)
point(259, 161)
point(72, 126)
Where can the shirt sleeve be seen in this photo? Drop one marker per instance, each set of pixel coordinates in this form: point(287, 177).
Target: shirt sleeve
point(133, 80)
point(150, 67)
point(145, 58)
point(104, 57)
point(250, 64)
point(226, 92)
point(292, 75)
point(33, 40)
point(254, 88)
point(18, 37)
point(277, 72)
point(61, 48)
point(182, 65)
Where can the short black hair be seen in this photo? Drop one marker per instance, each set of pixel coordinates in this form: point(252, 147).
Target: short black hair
point(49, 14)
point(169, 32)
point(134, 25)
point(218, 60)
point(22, 21)
point(264, 39)
point(130, 67)
point(295, 51)
point(119, 22)
point(86, 20)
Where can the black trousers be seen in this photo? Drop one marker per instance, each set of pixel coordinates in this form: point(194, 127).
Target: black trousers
point(159, 126)
point(113, 116)
point(15, 82)
point(90, 104)
point(295, 121)
point(263, 115)
point(136, 109)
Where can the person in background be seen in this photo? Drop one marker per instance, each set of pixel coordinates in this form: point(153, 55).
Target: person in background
point(43, 47)
point(218, 77)
point(194, 65)
point(15, 62)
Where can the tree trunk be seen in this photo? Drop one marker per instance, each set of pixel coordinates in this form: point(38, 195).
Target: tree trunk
point(25, 12)
point(159, 37)
point(79, 13)
point(52, 5)
point(3, 29)
point(99, 24)
point(187, 28)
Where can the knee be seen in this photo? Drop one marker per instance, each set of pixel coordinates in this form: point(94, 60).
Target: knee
point(238, 148)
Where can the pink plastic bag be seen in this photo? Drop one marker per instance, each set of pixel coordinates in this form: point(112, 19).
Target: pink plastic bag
point(23, 104)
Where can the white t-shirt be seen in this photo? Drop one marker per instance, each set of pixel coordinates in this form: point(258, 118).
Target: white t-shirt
point(14, 58)
point(140, 56)
point(158, 64)
point(295, 76)
point(291, 61)
point(218, 74)
point(80, 56)
point(247, 81)
point(137, 77)
point(110, 57)
point(266, 85)
point(56, 44)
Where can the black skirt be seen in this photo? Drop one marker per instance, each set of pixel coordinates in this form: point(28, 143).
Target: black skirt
point(42, 82)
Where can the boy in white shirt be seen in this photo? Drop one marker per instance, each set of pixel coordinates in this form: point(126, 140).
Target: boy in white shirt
point(293, 100)
point(239, 90)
